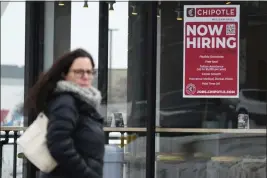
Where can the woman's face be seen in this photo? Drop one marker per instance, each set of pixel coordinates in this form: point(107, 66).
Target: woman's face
point(81, 72)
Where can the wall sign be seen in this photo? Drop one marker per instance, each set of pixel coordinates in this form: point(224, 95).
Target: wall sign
point(211, 51)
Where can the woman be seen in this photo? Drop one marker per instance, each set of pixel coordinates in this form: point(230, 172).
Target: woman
point(75, 136)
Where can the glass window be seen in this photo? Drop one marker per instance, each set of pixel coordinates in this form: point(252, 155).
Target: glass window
point(127, 101)
point(12, 75)
point(126, 78)
point(202, 113)
point(198, 137)
point(118, 59)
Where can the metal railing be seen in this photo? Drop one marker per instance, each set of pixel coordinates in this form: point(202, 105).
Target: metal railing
point(13, 133)
point(9, 136)
point(6, 137)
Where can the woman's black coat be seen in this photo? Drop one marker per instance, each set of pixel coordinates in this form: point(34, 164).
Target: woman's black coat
point(75, 136)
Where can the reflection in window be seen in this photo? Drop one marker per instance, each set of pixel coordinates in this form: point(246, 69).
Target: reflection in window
point(178, 112)
point(253, 102)
point(127, 83)
point(182, 154)
point(12, 74)
point(117, 63)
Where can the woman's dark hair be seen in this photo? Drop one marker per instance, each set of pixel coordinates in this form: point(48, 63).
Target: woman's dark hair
point(42, 91)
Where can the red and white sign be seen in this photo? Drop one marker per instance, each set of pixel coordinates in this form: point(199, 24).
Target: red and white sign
point(211, 51)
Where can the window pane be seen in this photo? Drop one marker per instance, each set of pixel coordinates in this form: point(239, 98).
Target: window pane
point(211, 155)
point(127, 72)
point(118, 60)
point(178, 112)
point(127, 83)
point(12, 75)
point(198, 137)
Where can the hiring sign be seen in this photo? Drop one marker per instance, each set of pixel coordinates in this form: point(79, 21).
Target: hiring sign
point(211, 51)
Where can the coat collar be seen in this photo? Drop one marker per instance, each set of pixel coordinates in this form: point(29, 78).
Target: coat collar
point(91, 95)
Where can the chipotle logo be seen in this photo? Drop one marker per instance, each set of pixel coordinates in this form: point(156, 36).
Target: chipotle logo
point(190, 12)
